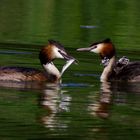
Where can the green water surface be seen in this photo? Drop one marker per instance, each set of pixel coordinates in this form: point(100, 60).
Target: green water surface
point(82, 107)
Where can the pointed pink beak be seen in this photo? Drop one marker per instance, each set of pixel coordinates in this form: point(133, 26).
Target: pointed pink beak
point(84, 49)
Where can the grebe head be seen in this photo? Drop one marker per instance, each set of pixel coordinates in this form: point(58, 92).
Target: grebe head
point(52, 51)
point(105, 48)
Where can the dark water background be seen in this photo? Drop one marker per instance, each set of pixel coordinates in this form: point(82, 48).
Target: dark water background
point(82, 108)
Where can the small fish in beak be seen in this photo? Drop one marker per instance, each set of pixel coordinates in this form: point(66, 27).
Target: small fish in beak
point(69, 60)
point(68, 63)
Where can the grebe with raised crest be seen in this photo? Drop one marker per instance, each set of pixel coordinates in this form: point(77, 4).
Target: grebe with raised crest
point(128, 71)
point(51, 74)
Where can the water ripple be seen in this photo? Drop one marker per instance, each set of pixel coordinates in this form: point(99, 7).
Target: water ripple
point(14, 52)
point(81, 75)
point(75, 85)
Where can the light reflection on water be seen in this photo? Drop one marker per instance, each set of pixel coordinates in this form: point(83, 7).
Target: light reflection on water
point(54, 101)
point(101, 108)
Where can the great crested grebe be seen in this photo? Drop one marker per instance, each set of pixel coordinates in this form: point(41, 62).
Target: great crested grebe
point(47, 54)
point(123, 70)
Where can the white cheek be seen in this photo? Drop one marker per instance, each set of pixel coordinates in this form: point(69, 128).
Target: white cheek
point(98, 49)
point(95, 50)
point(57, 54)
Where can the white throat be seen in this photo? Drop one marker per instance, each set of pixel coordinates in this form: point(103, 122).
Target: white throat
point(51, 69)
point(107, 70)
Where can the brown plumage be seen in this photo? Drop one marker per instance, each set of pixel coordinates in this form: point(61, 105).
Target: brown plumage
point(21, 74)
point(107, 51)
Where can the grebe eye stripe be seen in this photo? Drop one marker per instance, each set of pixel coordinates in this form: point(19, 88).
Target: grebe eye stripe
point(94, 47)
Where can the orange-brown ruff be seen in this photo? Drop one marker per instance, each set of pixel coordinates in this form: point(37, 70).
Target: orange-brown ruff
point(128, 72)
point(50, 52)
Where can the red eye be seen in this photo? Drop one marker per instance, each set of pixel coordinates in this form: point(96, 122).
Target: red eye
point(95, 47)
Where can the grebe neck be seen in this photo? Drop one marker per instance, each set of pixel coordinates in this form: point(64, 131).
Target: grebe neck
point(52, 71)
point(108, 70)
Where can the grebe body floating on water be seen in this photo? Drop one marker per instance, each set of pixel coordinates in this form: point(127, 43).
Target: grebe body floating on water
point(123, 70)
point(51, 74)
